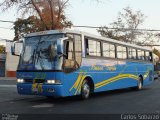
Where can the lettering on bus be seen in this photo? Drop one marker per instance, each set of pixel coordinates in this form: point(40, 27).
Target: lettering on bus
point(40, 76)
point(101, 68)
point(97, 68)
point(113, 68)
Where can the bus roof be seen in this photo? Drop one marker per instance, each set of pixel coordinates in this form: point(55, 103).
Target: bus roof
point(87, 35)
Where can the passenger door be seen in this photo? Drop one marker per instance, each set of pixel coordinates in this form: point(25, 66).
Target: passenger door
point(73, 54)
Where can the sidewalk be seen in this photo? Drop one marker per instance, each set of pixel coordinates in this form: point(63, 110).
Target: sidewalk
point(8, 78)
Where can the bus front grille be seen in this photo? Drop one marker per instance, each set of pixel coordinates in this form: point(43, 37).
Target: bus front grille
point(34, 81)
point(39, 80)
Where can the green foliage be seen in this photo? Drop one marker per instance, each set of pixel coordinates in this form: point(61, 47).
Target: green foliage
point(25, 26)
point(41, 15)
point(2, 49)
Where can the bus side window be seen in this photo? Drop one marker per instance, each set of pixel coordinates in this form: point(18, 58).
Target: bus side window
point(151, 56)
point(121, 52)
point(140, 54)
point(73, 51)
point(68, 64)
point(87, 49)
point(78, 50)
point(108, 50)
point(147, 56)
point(69, 50)
point(94, 48)
point(131, 53)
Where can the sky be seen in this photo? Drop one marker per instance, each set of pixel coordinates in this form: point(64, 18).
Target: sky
point(91, 13)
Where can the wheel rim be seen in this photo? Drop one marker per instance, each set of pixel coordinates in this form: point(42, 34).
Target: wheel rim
point(86, 90)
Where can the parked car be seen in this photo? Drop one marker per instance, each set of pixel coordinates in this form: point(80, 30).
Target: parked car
point(156, 75)
point(159, 73)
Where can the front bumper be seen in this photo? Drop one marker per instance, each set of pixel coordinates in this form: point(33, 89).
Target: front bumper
point(40, 89)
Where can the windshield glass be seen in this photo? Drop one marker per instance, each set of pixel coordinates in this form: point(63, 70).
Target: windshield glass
point(39, 53)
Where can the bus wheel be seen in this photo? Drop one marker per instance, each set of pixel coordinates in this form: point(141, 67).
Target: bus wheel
point(140, 84)
point(85, 90)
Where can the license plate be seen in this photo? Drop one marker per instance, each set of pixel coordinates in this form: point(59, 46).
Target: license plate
point(34, 89)
point(37, 87)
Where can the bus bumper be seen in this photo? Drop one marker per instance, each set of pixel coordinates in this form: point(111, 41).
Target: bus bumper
point(40, 89)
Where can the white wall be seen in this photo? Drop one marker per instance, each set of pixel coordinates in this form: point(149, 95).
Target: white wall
point(11, 62)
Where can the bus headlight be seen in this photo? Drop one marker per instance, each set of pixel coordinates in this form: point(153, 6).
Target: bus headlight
point(53, 82)
point(20, 80)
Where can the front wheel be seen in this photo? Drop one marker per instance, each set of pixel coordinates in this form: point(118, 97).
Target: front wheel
point(85, 90)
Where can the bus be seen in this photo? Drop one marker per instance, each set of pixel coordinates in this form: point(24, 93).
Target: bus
point(60, 63)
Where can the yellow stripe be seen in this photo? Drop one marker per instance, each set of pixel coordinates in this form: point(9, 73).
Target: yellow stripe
point(79, 86)
point(116, 78)
point(77, 81)
point(79, 89)
point(110, 82)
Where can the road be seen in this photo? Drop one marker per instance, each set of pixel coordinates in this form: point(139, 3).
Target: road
point(112, 102)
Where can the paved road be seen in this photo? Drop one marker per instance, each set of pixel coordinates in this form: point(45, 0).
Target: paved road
point(119, 101)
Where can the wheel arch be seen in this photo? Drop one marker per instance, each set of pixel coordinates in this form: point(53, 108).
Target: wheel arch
point(90, 82)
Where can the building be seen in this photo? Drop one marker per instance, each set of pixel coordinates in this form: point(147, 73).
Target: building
point(11, 61)
point(2, 64)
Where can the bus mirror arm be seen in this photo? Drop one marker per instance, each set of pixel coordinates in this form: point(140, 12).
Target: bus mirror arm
point(61, 54)
point(16, 45)
point(13, 48)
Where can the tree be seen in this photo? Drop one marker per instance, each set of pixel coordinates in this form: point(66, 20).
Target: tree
point(43, 15)
point(50, 12)
point(2, 49)
point(125, 28)
point(30, 25)
point(25, 26)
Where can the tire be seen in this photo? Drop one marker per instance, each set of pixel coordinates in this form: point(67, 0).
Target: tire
point(140, 83)
point(85, 90)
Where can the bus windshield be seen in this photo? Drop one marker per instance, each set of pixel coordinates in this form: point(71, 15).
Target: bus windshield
point(39, 53)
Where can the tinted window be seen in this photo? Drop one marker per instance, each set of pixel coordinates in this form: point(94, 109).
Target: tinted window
point(108, 50)
point(70, 54)
point(78, 48)
point(148, 56)
point(131, 53)
point(121, 52)
point(140, 54)
point(93, 48)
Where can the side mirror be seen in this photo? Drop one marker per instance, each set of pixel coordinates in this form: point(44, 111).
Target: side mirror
point(16, 48)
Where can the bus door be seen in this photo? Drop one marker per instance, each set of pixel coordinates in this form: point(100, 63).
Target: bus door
point(73, 53)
